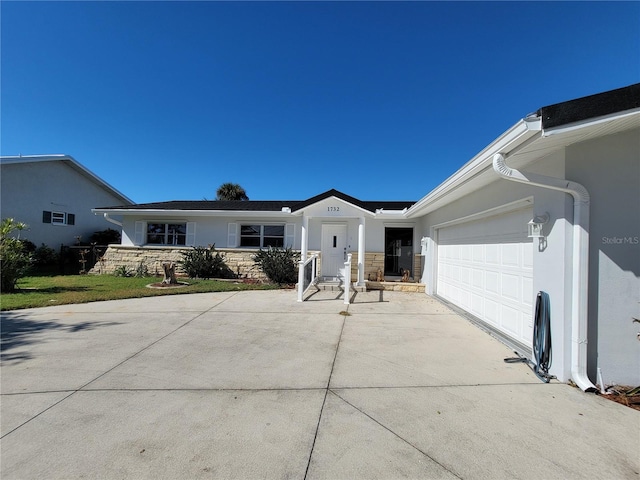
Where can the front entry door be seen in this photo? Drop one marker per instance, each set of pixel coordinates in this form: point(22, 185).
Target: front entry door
point(334, 250)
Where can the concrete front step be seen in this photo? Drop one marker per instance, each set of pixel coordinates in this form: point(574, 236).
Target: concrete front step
point(396, 286)
point(338, 287)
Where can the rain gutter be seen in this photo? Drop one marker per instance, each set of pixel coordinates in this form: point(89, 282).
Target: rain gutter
point(580, 258)
point(111, 220)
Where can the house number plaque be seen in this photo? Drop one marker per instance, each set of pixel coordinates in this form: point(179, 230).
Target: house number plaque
point(333, 209)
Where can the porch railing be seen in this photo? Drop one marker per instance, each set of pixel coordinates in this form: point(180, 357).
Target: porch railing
point(347, 280)
point(307, 275)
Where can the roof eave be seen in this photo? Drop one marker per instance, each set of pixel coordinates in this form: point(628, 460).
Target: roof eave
point(73, 163)
point(510, 140)
point(190, 213)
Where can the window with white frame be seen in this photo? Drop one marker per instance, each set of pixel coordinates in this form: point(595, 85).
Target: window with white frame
point(58, 218)
point(262, 236)
point(166, 233)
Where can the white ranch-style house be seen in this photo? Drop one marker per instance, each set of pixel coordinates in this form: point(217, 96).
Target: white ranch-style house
point(552, 205)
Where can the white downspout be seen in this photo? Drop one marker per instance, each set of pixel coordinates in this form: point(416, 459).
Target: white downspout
point(109, 219)
point(580, 270)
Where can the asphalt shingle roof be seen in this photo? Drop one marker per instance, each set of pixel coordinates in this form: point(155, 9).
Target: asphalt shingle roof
point(262, 205)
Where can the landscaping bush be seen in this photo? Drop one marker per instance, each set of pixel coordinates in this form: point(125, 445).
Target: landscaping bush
point(122, 271)
point(105, 237)
point(141, 270)
point(201, 262)
point(280, 265)
point(28, 246)
point(14, 259)
point(44, 256)
point(44, 261)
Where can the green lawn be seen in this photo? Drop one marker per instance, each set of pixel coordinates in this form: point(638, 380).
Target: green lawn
point(61, 290)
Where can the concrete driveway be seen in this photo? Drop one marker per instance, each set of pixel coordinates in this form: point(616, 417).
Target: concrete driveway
point(254, 385)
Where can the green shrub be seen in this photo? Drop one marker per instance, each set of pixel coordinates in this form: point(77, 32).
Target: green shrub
point(280, 265)
point(28, 246)
point(44, 256)
point(122, 271)
point(141, 270)
point(105, 237)
point(14, 259)
point(201, 262)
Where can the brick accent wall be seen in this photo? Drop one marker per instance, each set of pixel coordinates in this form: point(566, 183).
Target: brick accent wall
point(239, 261)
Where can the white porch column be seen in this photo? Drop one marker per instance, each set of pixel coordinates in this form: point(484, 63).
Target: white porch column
point(304, 240)
point(303, 255)
point(361, 252)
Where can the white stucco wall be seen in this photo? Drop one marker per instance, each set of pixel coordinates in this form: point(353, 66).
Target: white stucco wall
point(551, 269)
point(330, 210)
point(609, 167)
point(28, 189)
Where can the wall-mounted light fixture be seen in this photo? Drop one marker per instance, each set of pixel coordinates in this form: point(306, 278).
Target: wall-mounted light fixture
point(535, 225)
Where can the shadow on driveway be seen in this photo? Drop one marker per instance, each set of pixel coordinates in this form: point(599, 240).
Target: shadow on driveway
point(18, 330)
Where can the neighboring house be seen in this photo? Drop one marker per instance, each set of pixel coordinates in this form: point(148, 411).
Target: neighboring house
point(551, 205)
point(53, 195)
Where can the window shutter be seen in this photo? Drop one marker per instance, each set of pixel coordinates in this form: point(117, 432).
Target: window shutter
point(289, 234)
point(232, 237)
point(191, 234)
point(71, 219)
point(139, 233)
point(46, 217)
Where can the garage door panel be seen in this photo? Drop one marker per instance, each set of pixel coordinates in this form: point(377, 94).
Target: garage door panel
point(491, 282)
point(510, 257)
point(527, 256)
point(527, 290)
point(491, 311)
point(486, 268)
point(492, 255)
point(477, 304)
point(511, 286)
point(477, 278)
point(465, 277)
point(510, 320)
point(465, 299)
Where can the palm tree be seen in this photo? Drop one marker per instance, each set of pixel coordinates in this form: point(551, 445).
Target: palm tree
point(231, 191)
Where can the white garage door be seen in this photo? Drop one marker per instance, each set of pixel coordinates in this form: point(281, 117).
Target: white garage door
point(485, 267)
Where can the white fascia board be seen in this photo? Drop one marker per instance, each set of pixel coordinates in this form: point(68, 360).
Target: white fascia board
point(391, 213)
point(73, 163)
point(190, 213)
point(505, 143)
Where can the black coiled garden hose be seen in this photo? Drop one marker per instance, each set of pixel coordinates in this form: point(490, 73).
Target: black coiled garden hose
point(541, 340)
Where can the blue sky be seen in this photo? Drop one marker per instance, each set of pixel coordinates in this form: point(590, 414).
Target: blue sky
point(381, 100)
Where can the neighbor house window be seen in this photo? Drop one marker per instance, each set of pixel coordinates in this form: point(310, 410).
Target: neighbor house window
point(58, 218)
point(262, 235)
point(167, 233)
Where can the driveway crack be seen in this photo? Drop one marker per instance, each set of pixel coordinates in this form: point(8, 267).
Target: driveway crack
point(324, 400)
point(415, 447)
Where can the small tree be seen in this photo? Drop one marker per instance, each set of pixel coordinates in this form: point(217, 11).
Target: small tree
point(231, 191)
point(278, 264)
point(14, 260)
